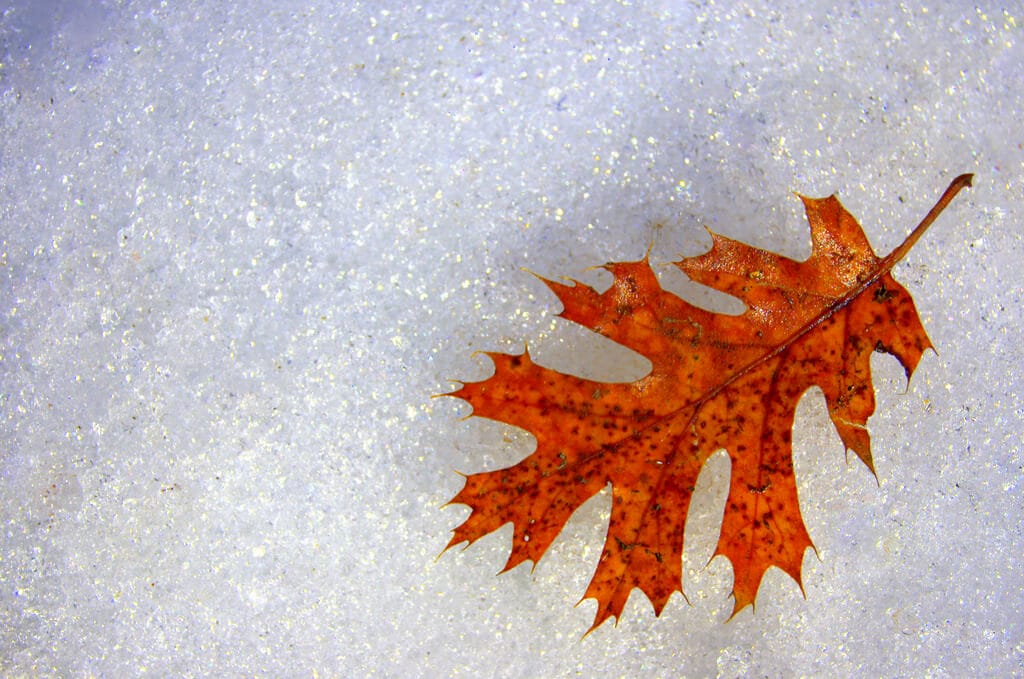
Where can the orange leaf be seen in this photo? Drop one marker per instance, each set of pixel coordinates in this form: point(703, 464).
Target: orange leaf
point(717, 382)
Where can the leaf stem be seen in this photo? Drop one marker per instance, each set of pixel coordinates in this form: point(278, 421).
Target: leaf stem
point(899, 253)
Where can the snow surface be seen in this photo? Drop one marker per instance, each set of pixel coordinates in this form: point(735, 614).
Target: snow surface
point(244, 243)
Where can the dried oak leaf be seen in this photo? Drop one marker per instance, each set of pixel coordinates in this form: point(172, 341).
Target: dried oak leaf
point(717, 382)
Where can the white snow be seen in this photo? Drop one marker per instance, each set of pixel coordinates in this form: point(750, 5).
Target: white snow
point(243, 244)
